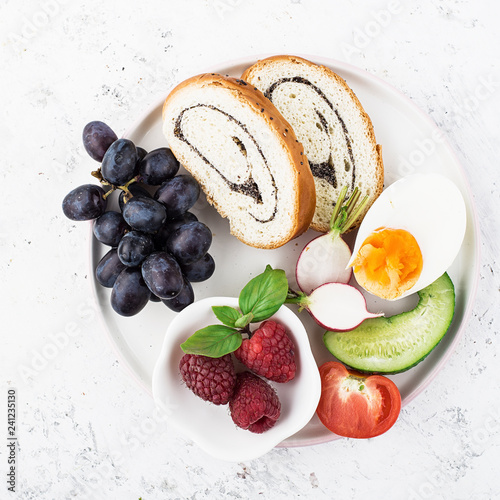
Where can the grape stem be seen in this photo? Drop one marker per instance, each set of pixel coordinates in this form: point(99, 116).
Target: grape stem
point(98, 175)
point(107, 193)
point(128, 195)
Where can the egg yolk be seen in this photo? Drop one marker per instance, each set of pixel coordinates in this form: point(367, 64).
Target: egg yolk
point(388, 263)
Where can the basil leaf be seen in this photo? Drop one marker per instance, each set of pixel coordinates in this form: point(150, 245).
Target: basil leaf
point(213, 341)
point(264, 294)
point(227, 315)
point(243, 321)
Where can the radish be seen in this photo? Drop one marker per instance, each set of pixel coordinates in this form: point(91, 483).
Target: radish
point(334, 306)
point(324, 259)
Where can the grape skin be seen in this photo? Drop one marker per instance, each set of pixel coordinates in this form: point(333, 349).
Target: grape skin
point(97, 138)
point(144, 214)
point(185, 298)
point(84, 203)
point(108, 269)
point(158, 166)
point(119, 164)
point(134, 247)
point(162, 275)
point(141, 153)
point(161, 237)
point(190, 242)
point(178, 195)
point(109, 228)
point(136, 190)
point(130, 293)
point(199, 270)
point(176, 223)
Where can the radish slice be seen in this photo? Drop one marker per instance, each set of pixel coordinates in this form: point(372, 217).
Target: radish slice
point(324, 259)
point(337, 306)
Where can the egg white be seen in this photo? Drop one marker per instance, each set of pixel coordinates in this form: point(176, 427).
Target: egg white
point(432, 209)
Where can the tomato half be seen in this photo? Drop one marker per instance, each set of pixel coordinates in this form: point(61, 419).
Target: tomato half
point(356, 405)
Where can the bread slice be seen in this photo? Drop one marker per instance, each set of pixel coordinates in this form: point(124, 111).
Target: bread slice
point(244, 155)
point(330, 122)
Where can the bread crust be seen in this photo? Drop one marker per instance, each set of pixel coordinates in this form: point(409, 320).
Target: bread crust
point(256, 101)
point(259, 66)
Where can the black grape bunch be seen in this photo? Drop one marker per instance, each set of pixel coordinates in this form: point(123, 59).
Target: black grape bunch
point(157, 247)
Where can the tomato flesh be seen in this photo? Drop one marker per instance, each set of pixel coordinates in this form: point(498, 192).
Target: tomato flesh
point(356, 405)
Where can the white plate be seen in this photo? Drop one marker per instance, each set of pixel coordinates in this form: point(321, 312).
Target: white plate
point(411, 143)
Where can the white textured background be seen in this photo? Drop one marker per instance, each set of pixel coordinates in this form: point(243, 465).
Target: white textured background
point(86, 430)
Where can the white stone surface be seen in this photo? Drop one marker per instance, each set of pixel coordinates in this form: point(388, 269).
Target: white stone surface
point(85, 429)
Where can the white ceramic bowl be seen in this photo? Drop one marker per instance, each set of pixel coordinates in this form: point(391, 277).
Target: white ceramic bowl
point(210, 426)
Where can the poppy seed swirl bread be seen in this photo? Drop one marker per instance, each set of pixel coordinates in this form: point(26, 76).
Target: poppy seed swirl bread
point(330, 122)
point(244, 155)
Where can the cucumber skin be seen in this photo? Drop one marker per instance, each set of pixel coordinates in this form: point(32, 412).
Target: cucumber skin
point(374, 328)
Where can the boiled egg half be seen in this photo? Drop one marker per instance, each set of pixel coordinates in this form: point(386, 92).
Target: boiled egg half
point(410, 236)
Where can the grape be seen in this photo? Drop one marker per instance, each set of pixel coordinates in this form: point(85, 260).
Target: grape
point(141, 153)
point(108, 269)
point(190, 242)
point(185, 297)
point(97, 137)
point(135, 190)
point(130, 294)
point(109, 228)
point(144, 214)
point(154, 298)
point(162, 274)
point(200, 270)
point(119, 164)
point(161, 237)
point(84, 202)
point(178, 195)
point(176, 223)
point(158, 166)
point(134, 247)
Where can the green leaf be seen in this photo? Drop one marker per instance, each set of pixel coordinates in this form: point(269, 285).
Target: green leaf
point(227, 315)
point(213, 341)
point(243, 321)
point(264, 294)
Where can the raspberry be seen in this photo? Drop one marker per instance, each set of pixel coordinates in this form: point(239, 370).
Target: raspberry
point(212, 379)
point(269, 352)
point(255, 405)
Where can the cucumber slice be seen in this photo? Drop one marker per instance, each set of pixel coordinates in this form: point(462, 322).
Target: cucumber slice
point(395, 344)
